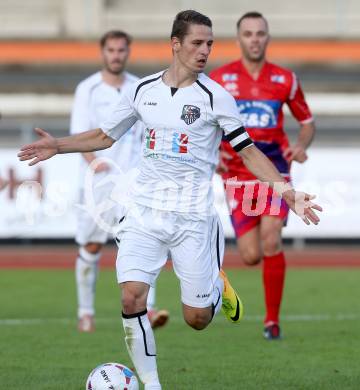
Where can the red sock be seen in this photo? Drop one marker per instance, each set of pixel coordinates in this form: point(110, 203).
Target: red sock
point(273, 279)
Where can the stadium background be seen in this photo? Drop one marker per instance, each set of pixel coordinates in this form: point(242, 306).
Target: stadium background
point(47, 47)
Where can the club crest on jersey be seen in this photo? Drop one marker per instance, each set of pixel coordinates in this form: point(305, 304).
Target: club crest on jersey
point(190, 114)
point(180, 142)
point(150, 139)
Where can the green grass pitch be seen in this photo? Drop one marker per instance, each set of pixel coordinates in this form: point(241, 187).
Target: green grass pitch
point(41, 349)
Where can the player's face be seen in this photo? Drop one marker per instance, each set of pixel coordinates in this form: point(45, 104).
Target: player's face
point(115, 54)
point(194, 50)
point(253, 37)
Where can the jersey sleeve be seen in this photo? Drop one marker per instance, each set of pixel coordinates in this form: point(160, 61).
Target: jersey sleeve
point(297, 103)
point(80, 116)
point(228, 118)
point(122, 116)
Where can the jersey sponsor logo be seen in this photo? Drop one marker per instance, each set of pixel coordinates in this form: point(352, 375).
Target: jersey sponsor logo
point(277, 78)
point(190, 114)
point(259, 113)
point(229, 77)
point(202, 295)
point(150, 138)
point(180, 142)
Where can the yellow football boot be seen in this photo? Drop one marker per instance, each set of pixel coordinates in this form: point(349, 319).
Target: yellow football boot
point(232, 306)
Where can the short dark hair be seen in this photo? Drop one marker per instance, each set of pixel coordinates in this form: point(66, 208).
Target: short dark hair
point(115, 34)
point(252, 14)
point(184, 18)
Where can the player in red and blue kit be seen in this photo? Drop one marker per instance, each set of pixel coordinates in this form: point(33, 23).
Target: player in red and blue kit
point(258, 216)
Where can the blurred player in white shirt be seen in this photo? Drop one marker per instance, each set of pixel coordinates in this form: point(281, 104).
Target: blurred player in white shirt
point(185, 113)
point(94, 97)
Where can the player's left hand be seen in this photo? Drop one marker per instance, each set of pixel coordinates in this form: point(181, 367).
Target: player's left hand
point(295, 153)
point(302, 205)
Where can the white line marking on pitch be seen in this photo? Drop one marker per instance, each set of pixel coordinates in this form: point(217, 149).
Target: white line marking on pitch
point(249, 318)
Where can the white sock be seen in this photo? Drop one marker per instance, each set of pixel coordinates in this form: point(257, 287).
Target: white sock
point(140, 342)
point(217, 295)
point(151, 298)
point(86, 274)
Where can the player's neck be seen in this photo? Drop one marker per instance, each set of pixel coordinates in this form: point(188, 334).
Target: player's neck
point(253, 67)
point(114, 80)
point(178, 76)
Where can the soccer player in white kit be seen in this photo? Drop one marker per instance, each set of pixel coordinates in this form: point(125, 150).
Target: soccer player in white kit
point(185, 113)
point(94, 97)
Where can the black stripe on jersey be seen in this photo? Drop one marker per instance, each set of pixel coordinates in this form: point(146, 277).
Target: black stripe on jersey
point(202, 86)
point(229, 137)
point(144, 83)
point(242, 144)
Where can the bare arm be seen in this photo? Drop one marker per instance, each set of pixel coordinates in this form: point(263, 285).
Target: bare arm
point(297, 152)
point(264, 170)
point(48, 146)
point(88, 141)
point(260, 165)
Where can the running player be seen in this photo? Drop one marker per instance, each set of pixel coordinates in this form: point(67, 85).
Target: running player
point(260, 89)
point(93, 99)
point(185, 113)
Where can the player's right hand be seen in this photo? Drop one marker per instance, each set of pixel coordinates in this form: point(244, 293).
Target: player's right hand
point(43, 149)
point(295, 153)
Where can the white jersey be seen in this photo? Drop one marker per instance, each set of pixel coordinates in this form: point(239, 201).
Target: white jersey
point(184, 128)
point(92, 105)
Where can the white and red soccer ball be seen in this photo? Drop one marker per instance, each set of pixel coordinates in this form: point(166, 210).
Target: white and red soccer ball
point(112, 376)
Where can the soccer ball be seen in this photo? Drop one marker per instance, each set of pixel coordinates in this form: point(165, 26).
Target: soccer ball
point(112, 376)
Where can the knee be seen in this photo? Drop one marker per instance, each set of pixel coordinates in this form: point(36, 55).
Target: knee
point(198, 320)
point(129, 303)
point(93, 247)
point(132, 300)
point(251, 256)
point(271, 242)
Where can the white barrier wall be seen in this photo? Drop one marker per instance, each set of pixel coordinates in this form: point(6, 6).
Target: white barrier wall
point(45, 206)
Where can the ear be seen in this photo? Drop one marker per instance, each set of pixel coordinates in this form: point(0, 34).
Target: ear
point(175, 44)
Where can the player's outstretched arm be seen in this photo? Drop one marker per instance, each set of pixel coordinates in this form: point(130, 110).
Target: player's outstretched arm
point(300, 202)
point(48, 146)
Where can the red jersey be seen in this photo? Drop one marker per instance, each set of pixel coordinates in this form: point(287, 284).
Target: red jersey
point(260, 104)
